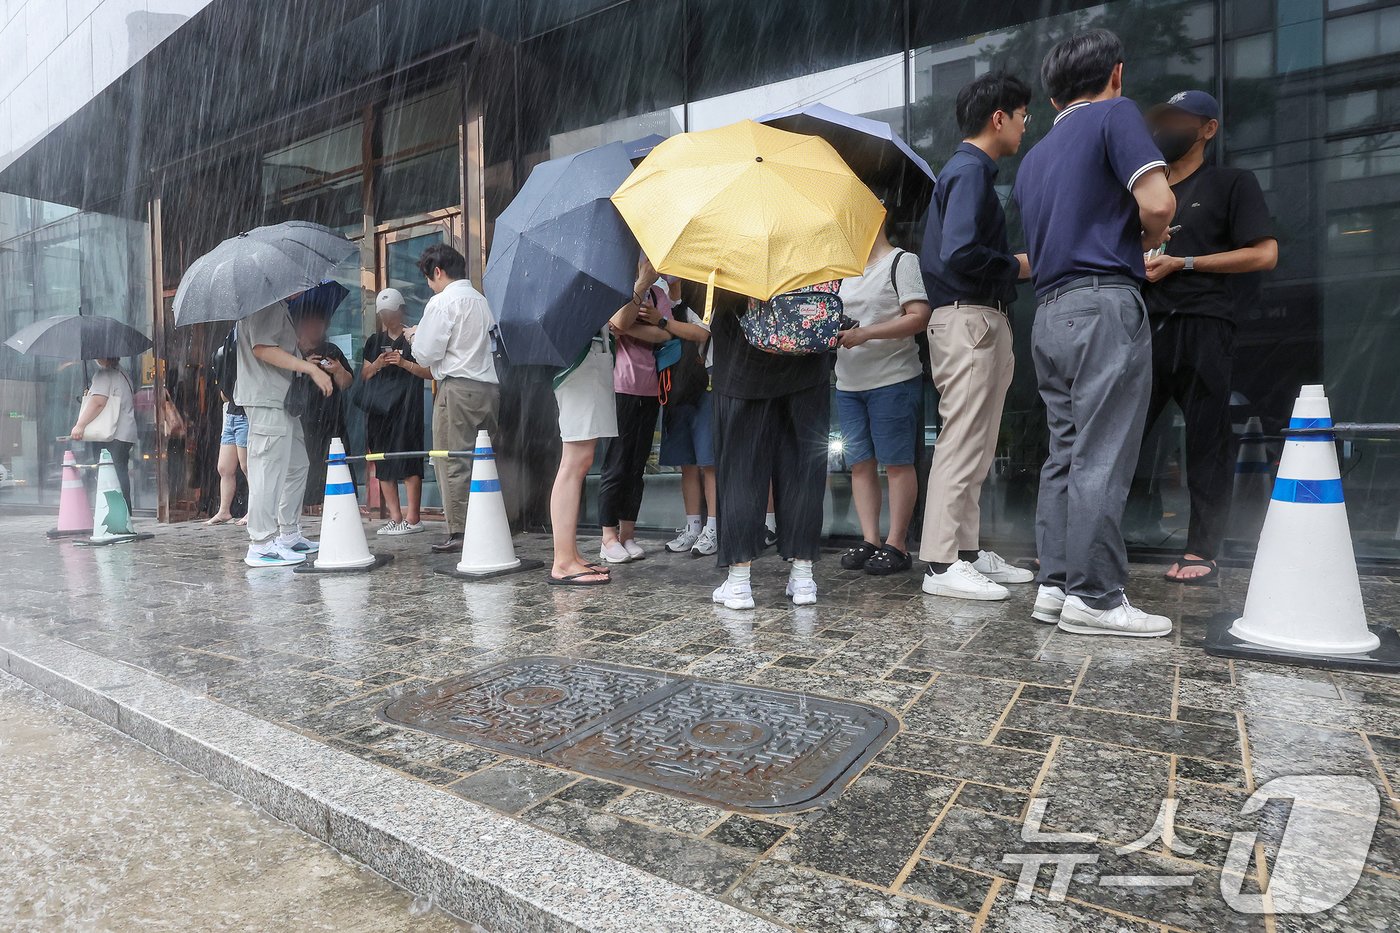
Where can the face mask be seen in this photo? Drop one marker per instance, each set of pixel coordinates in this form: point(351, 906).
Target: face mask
point(1174, 143)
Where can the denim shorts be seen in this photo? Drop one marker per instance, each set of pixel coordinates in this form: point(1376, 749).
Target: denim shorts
point(688, 434)
point(881, 423)
point(235, 431)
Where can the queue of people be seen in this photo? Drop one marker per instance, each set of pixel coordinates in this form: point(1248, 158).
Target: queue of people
point(1130, 240)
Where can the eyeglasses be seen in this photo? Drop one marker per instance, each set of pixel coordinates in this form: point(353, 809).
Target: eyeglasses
point(1025, 118)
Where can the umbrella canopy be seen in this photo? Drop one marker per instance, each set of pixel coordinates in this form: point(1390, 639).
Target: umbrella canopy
point(752, 209)
point(872, 149)
point(246, 273)
point(562, 260)
point(320, 301)
point(80, 337)
point(639, 149)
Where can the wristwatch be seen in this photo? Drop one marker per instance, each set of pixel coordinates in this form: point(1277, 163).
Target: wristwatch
point(664, 323)
point(1189, 264)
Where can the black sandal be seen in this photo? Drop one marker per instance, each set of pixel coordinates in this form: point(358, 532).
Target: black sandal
point(887, 561)
point(576, 579)
point(856, 558)
point(1205, 579)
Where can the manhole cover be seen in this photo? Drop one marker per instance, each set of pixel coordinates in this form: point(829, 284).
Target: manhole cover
point(732, 745)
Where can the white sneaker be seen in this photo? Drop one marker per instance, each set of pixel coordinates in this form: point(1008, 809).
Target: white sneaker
point(734, 595)
point(683, 541)
point(962, 581)
point(399, 529)
point(1049, 600)
point(614, 553)
point(707, 544)
point(411, 529)
point(802, 592)
point(634, 550)
point(391, 527)
point(994, 567)
point(268, 554)
point(298, 542)
point(1123, 619)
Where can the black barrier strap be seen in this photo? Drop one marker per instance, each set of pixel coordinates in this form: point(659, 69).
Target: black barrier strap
point(1350, 429)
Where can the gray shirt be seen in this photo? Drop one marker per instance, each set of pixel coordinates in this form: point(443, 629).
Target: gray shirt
point(113, 385)
point(873, 298)
point(262, 384)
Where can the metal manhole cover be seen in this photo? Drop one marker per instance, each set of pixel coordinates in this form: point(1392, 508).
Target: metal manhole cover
point(731, 745)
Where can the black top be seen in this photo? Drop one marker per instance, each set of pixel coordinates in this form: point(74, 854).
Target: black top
point(1219, 209)
point(966, 255)
point(325, 415)
point(743, 371)
point(401, 379)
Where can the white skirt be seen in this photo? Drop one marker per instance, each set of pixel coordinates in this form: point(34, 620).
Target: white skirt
point(587, 407)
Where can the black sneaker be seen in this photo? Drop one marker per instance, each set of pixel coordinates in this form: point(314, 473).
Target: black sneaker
point(856, 558)
point(770, 537)
point(889, 560)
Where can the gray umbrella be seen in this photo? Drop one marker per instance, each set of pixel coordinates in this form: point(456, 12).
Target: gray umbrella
point(562, 260)
point(80, 337)
point(246, 273)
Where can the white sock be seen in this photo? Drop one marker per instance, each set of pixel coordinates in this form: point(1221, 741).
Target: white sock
point(771, 520)
point(692, 524)
point(801, 570)
point(739, 574)
point(710, 523)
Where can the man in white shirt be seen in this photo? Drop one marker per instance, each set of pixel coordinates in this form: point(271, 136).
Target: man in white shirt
point(277, 464)
point(454, 341)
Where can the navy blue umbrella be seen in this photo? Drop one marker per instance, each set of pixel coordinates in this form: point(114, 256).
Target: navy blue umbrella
point(872, 149)
point(639, 149)
point(562, 260)
point(320, 301)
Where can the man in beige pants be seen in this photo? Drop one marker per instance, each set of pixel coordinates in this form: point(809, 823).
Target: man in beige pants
point(970, 275)
point(454, 341)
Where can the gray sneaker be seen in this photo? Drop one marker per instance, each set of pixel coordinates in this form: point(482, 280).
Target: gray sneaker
point(1124, 619)
point(707, 544)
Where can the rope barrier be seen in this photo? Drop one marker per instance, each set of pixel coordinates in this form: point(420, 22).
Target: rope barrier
point(410, 455)
point(1348, 429)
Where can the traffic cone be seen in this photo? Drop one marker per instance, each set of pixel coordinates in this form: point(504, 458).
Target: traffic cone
point(1253, 482)
point(343, 548)
point(487, 550)
point(74, 517)
point(1304, 601)
point(111, 519)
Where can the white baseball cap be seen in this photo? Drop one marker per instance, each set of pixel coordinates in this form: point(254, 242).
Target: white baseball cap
point(391, 299)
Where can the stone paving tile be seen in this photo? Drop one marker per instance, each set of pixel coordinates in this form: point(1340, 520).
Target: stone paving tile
point(1108, 790)
point(323, 655)
point(884, 813)
point(820, 903)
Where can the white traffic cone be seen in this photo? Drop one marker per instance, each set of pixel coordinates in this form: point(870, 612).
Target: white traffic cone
point(74, 516)
point(1253, 482)
point(1304, 595)
point(342, 540)
point(111, 519)
point(487, 549)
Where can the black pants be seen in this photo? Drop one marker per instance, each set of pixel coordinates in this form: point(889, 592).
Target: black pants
point(1192, 359)
point(624, 464)
point(121, 458)
point(779, 440)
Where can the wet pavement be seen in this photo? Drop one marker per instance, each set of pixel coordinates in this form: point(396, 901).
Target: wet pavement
point(101, 833)
point(996, 712)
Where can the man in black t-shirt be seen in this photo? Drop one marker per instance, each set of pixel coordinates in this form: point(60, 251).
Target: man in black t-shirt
point(1221, 229)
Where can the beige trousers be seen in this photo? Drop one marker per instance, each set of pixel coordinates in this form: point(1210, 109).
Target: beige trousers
point(277, 468)
point(970, 352)
point(461, 408)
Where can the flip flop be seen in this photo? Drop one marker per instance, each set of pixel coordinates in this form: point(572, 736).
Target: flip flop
point(242, 522)
point(1205, 579)
point(220, 521)
point(576, 579)
point(597, 569)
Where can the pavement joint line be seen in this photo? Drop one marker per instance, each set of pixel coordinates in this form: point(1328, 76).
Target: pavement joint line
point(476, 864)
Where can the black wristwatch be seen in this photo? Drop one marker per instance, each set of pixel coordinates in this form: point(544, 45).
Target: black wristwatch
point(664, 323)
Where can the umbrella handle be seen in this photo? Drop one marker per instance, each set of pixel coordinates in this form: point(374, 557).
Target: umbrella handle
point(710, 296)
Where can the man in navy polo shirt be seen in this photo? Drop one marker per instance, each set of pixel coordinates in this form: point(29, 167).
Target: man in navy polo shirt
point(1093, 196)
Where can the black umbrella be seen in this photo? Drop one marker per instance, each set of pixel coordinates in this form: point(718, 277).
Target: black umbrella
point(873, 150)
point(246, 273)
point(321, 301)
point(80, 337)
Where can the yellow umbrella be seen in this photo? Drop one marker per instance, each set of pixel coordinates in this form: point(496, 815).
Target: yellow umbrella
point(750, 208)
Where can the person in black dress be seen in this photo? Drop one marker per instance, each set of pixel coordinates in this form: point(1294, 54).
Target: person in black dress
point(324, 416)
point(394, 384)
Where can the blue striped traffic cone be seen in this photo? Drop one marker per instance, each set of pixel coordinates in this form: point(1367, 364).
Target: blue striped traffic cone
point(486, 540)
point(342, 540)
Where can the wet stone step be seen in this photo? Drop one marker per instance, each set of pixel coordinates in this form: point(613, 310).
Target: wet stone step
point(735, 746)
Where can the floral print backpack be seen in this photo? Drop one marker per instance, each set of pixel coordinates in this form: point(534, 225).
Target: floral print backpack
point(801, 322)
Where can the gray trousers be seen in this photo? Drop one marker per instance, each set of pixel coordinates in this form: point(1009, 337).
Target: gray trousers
point(277, 468)
point(1093, 362)
point(461, 408)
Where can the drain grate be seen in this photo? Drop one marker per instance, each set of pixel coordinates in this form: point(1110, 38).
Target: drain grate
point(731, 745)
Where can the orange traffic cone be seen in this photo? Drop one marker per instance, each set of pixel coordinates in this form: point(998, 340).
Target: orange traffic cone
point(74, 516)
point(487, 550)
point(343, 548)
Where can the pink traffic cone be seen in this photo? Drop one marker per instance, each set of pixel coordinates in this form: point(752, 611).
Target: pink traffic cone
point(74, 515)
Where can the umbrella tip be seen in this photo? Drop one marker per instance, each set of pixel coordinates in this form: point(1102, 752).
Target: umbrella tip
point(758, 158)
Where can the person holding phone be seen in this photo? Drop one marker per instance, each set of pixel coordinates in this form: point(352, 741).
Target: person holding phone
point(391, 372)
point(324, 417)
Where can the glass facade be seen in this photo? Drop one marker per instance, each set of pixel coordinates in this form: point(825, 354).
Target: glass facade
point(449, 120)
